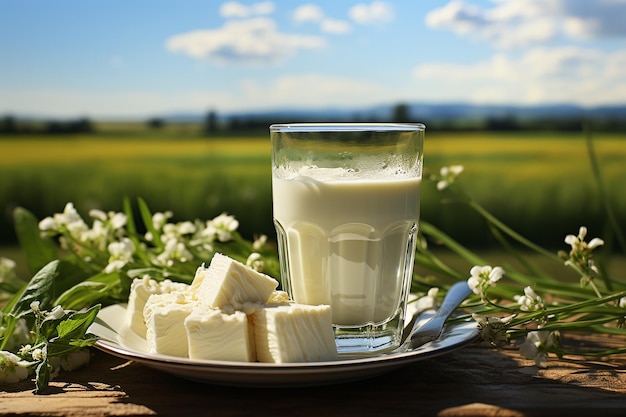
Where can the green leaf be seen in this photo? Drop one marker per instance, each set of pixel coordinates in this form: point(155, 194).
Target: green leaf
point(146, 216)
point(38, 251)
point(83, 294)
point(40, 288)
point(70, 274)
point(60, 348)
point(54, 278)
point(9, 323)
point(42, 377)
point(76, 325)
point(132, 230)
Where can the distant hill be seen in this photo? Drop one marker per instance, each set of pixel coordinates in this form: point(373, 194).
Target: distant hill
point(420, 112)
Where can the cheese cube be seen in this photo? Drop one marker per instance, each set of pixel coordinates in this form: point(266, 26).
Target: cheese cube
point(165, 315)
point(217, 335)
point(294, 333)
point(140, 290)
point(229, 283)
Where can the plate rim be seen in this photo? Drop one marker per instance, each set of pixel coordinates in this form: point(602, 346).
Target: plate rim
point(374, 364)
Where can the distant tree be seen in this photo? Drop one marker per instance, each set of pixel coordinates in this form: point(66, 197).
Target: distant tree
point(210, 123)
point(55, 127)
point(502, 123)
point(83, 125)
point(156, 123)
point(400, 113)
point(8, 125)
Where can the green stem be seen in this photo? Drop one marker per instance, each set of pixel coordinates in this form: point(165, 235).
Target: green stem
point(517, 255)
point(450, 243)
point(513, 234)
point(595, 168)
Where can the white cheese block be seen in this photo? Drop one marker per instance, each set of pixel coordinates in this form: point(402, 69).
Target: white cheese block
point(140, 290)
point(216, 335)
point(227, 282)
point(294, 333)
point(165, 315)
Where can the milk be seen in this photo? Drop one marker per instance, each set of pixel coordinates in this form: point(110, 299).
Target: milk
point(349, 241)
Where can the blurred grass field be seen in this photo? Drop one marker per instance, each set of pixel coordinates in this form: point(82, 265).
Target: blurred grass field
point(538, 183)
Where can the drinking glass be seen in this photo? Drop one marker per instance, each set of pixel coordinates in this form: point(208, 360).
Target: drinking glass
point(346, 210)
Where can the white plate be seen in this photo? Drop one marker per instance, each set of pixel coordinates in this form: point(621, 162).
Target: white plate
point(118, 339)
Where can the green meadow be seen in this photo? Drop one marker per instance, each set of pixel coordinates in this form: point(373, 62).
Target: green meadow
point(540, 184)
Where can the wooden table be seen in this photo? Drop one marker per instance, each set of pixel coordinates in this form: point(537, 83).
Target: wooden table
point(475, 381)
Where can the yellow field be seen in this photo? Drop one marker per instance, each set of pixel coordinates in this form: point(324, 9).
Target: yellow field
point(539, 183)
point(471, 149)
point(51, 150)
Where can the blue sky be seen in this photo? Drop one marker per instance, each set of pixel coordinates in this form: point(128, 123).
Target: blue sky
point(141, 58)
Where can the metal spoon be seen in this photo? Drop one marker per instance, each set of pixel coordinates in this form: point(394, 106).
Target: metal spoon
point(421, 334)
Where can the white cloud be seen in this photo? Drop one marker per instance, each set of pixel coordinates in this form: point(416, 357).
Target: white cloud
point(458, 16)
point(377, 12)
point(234, 9)
point(312, 13)
point(599, 18)
point(308, 13)
point(510, 23)
point(542, 75)
point(250, 41)
point(335, 26)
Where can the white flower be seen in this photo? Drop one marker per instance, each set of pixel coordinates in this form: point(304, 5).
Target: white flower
point(98, 214)
point(174, 251)
point(622, 302)
point(448, 175)
point(492, 329)
point(177, 230)
point(56, 313)
point(578, 243)
point(255, 262)
point(536, 345)
point(12, 368)
point(120, 253)
point(530, 301)
point(47, 224)
point(97, 236)
point(222, 227)
point(160, 219)
point(37, 354)
point(112, 219)
point(259, 242)
point(483, 277)
point(69, 220)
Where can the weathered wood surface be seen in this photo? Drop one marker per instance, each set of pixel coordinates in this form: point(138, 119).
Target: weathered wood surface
point(475, 381)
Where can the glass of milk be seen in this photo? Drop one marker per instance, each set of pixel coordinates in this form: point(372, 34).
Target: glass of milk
point(346, 209)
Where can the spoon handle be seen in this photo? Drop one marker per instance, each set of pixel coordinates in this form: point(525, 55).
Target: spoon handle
point(432, 329)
